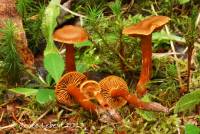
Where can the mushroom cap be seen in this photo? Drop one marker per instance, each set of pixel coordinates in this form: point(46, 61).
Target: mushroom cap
point(146, 26)
point(113, 83)
point(71, 78)
point(90, 88)
point(70, 34)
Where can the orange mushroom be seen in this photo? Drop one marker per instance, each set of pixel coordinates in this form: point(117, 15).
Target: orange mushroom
point(71, 78)
point(68, 93)
point(113, 84)
point(144, 30)
point(70, 35)
point(115, 91)
point(91, 90)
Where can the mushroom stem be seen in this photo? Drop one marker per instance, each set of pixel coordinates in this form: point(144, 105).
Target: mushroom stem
point(146, 70)
point(135, 101)
point(81, 99)
point(70, 58)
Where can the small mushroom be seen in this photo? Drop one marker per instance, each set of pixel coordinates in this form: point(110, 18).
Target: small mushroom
point(91, 90)
point(144, 30)
point(69, 35)
point(71, 78)
point(115, 91)
point(113, 84)
point(68, 92)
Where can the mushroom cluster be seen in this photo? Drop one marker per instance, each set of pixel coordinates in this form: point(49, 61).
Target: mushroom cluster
point(111, 92)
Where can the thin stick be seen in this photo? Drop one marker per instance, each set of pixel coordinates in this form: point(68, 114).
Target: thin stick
point(197, 21)
point(18, 122)
point(2, 116)
point(9, 126)
point(66, 108)
point(4, 104)
point(73, 13)
point(33, 124)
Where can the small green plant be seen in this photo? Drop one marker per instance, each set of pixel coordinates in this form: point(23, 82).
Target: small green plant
point(188, 102)
point(43, 96)
point(12, 67)
point(191, 129)
point(22, 6)
point(53, 61)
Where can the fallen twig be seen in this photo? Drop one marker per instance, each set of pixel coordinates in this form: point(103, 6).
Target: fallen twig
point(33, 124)
point(9, 126)
point(2, 116)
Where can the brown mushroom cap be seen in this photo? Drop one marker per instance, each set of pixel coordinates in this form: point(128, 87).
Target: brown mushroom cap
point(90, 88)
point(147, 26)
point(113, 83)
point(71, 78)
point(70, 34)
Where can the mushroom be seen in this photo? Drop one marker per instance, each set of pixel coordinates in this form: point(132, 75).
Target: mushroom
point(71, 78)
point(69, 35)
point(115, 91)
point(144, 30)
point(91, 90)
point(111, 85)
point(68, 93)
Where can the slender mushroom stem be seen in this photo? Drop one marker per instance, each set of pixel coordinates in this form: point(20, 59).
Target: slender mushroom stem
point(135, 101)
point(70, 58)
point(81, 99)
point(146, 70)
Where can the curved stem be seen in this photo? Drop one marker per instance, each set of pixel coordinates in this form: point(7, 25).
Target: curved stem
point(70, 58)
point(146, 70)
point(138, 103)
point(135, 101)
point(81, 99)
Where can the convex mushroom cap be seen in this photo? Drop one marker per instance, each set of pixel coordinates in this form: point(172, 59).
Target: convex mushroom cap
point(109, 84)
point(70, 34)
point(71, 78)
point(146, 26)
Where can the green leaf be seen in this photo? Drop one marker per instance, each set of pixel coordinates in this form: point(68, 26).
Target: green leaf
point(183, 1)
point(45, 95)
point(24, 91)
point(191, 129)
point(54, 64)
point(49, 23)
point(188, 101)
point(164, 36)
point(147, 115)
point(83, 44)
